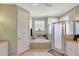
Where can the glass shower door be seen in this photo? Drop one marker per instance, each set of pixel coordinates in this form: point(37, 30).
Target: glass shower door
point(58, 36)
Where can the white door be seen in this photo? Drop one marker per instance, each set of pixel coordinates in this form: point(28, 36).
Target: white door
point(23, 31)
point(58, 36)
point(19, 34)
point(26, 32)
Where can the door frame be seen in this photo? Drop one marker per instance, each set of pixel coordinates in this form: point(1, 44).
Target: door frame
point(54, 39)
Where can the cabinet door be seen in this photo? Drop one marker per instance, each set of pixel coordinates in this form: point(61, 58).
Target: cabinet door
point(68, 48)
point(73, 49)
point(20, 46)
point(4, 49)
point(1, 50)
point(77, 50)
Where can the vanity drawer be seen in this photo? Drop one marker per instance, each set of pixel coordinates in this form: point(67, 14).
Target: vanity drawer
point(4, 49)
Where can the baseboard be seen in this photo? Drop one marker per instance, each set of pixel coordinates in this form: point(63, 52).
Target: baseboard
point(23, 52)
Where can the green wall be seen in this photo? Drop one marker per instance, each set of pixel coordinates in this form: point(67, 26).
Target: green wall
point(8, 26)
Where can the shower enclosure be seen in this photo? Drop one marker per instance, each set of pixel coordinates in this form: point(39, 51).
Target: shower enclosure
point(58, 35)
point(61, 29)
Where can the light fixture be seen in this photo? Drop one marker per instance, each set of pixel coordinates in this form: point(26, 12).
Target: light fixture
point(42, 4)
point(35, 4)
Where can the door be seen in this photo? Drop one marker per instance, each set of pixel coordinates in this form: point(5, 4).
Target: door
point(19, 34)
point(23, 31)
point(58, 36)
point(26, 31)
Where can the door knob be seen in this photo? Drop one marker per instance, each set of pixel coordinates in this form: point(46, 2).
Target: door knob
point(19, 38)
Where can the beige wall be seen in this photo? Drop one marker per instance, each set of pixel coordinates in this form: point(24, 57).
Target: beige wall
point(8, 26)
point(30, 26)
point(73, 14)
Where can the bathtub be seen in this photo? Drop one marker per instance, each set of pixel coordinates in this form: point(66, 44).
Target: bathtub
point(40, 41)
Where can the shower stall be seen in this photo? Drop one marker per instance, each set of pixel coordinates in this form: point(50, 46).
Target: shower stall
point(60, 30)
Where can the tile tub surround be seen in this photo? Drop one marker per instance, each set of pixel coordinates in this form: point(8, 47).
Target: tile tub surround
point(40, 44)
point(38, 40)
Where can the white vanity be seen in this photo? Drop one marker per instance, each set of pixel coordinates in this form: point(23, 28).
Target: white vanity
point(72, 48)
point(3, 48)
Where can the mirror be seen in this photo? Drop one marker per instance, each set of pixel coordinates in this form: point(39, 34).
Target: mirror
point(76, 27)
point(69, 28)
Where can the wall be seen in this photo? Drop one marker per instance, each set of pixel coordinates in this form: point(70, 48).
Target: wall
point(52, 19)
point(73, 14)
point(30, 26)
point(8, 26)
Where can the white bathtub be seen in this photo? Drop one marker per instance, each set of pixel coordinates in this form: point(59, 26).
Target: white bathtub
point(39, 41)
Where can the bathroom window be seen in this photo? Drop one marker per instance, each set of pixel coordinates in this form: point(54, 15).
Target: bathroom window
point(49, 29)
point(39, 25)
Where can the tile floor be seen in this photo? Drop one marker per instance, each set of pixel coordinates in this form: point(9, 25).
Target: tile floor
point(37, 52)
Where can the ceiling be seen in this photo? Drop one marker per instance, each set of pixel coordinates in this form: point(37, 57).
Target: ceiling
point(47, 9)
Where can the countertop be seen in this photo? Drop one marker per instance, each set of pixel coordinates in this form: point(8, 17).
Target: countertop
point(75, 42)
point(3, 41)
